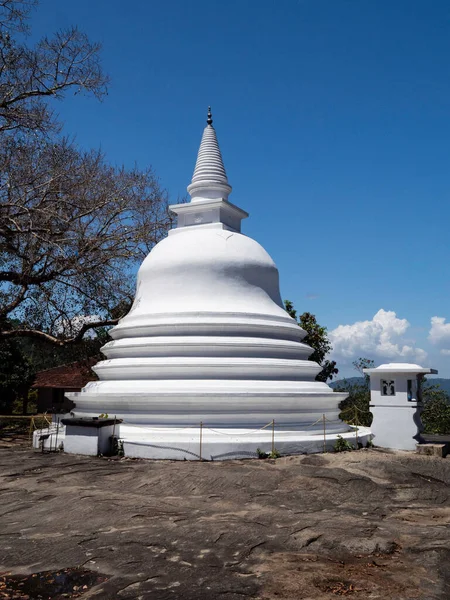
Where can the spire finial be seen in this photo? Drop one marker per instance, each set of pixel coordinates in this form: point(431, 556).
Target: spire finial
point(209, 119)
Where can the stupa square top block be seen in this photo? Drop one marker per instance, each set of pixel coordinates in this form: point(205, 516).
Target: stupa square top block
point(222, 213)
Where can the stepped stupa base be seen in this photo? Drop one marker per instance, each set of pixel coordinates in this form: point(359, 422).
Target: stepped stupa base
point(228, 444)
point(161, 420)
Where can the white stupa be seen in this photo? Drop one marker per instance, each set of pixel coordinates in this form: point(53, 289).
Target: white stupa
point(208, 341)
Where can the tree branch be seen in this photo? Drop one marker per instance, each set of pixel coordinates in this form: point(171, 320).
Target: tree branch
point(37, 334)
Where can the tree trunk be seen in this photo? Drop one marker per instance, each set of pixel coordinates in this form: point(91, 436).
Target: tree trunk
point(25, 403)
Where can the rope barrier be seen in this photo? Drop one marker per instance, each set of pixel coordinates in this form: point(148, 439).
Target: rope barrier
point(329, 420)
point(14, 417)
point(279, 426)
point(324, 434)
point(247, 432)
point(273, 436)
point(356, 430)
point(33, 427)
point(53, 428)
point(238, 434)
point(354, 409)
point(150, 428)
point(301, 424)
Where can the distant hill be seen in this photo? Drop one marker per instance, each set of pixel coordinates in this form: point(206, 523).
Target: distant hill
point(347, 380)
point(443, 383)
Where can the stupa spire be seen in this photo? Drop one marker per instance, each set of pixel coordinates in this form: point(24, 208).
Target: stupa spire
point(209, 180)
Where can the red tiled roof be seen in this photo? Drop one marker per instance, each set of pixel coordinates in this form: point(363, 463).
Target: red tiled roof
point(73, 375)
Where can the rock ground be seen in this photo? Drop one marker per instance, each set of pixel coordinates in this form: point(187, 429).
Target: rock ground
point(367, 524)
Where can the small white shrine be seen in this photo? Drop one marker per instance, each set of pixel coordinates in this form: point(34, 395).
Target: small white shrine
point(207, 363)
point(396, 404)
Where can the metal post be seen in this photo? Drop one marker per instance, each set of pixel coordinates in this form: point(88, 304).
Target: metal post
point(57, 430)
point(30, 431)
point(324, 434)
point(201, 433)
point(273, 437)
point(113, 440)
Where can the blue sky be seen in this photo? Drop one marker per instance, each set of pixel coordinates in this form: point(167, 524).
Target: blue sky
point(333, 118)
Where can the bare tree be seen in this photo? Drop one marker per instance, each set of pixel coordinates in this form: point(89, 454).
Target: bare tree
point(72, 231)
point(14, 14)
point(72, 227)
point(31, 75)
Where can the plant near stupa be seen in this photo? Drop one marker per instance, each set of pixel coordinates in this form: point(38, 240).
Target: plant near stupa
point(317, 338)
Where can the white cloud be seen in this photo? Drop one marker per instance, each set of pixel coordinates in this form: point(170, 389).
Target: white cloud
point(381, 338)
point(439, 334)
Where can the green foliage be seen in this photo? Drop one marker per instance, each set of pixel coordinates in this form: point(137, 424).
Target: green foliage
point(15, 375)
point(317, 338)
point(364, 363)
point(261, 454)
point(290, 309)
point(25, 403)
point(342, 445)
point(274, 454)
point(355, 409)
point(436, 413)
point(44, 355)
point(22, 358)
point(118, 449)
point(11, 427)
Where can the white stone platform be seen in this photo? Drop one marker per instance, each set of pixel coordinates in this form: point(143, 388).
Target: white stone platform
point(184, 443)
point(55, 440)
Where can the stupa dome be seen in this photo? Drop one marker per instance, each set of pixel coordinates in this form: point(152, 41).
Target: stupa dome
point(207, 338)
point(232, 273)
